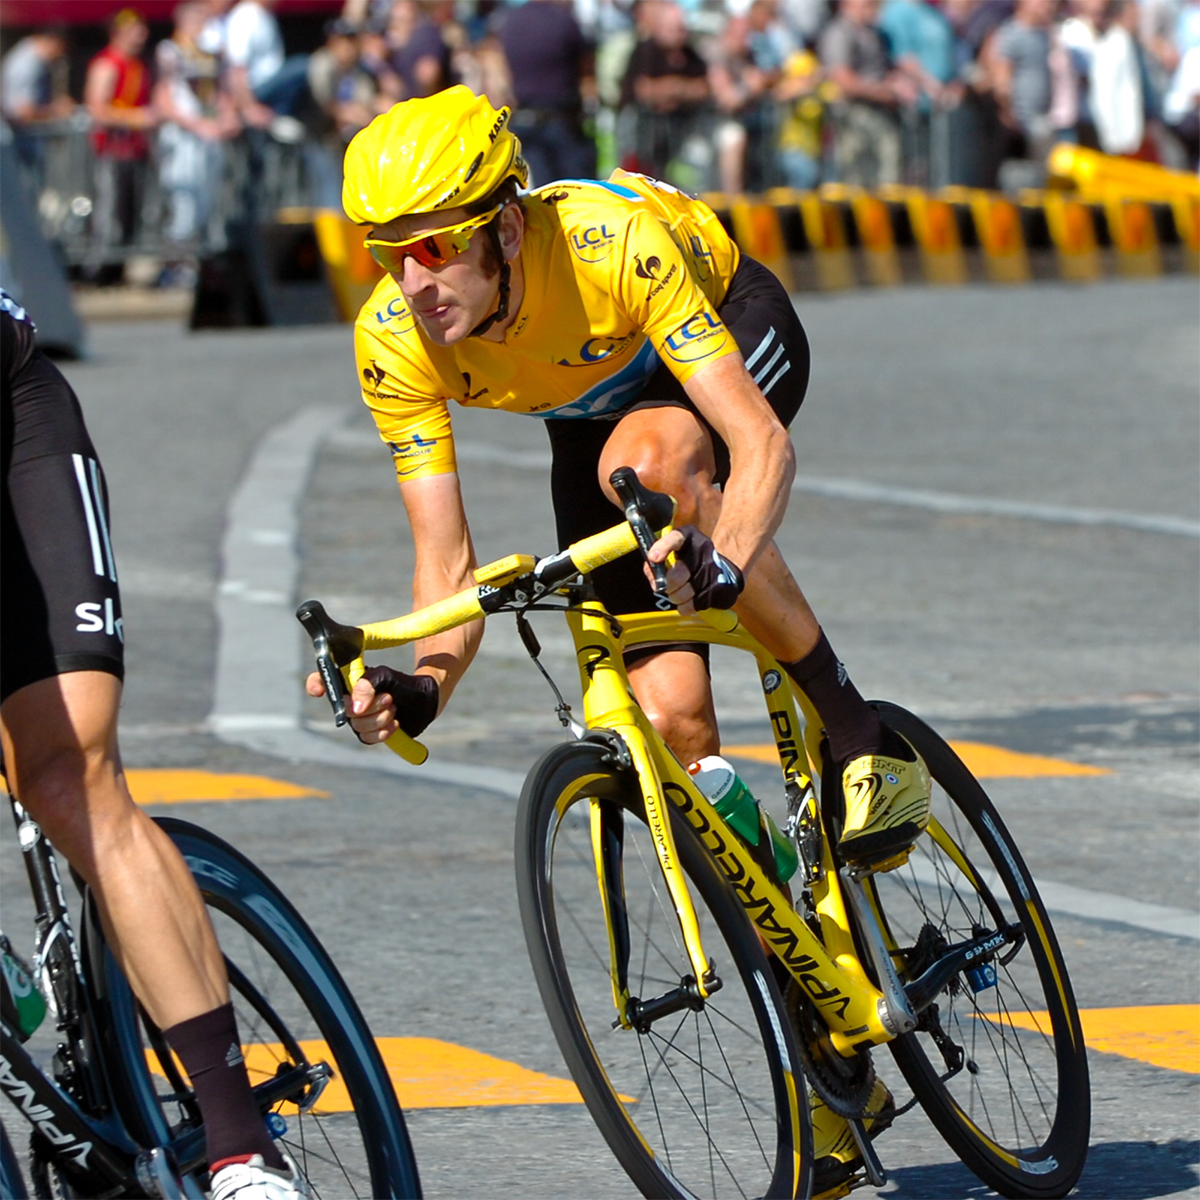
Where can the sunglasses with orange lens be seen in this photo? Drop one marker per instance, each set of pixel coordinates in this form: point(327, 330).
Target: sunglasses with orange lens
point(434, 248)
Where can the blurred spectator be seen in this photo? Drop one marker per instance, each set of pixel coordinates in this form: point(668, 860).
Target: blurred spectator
point(349, 87)
point(1034, 81)
point(32, 92)
point(1181, 105)
point(805, 18)
point(1157, 27)
point(417, 51)
point(746, 65)
point(801, 130)
point(1119, 96)
point(922, 44)
point(1079, 33)
point(116, 92)
point(550, 65)
point(197, 116)
point(265, 83)
point(666, 87)
point(867, 124)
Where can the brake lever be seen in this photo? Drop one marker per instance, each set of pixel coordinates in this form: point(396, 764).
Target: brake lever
point(311, 614)
point(638, 501)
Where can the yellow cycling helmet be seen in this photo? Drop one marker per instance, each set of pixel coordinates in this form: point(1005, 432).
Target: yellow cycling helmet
point(436, 152)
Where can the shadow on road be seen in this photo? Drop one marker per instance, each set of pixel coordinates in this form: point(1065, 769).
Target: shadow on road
point(1114, 1171)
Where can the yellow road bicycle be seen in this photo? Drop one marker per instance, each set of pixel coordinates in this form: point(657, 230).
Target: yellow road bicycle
point(694, 999)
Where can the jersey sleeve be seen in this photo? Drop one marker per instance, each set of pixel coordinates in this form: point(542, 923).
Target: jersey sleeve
point(652, 282)
point(406, 400)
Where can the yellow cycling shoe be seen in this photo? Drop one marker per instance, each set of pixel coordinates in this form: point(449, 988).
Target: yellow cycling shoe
point(835, 1152)
point(887, 806)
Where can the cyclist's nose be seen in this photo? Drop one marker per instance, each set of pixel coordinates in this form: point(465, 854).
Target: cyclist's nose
point(413, 278)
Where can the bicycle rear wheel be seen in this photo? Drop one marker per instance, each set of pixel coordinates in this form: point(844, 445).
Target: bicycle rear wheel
point(708, 1100)
point(999, 1065)
point(309, 1053)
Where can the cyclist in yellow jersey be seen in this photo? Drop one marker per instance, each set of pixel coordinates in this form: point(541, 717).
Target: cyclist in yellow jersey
point(622, 316)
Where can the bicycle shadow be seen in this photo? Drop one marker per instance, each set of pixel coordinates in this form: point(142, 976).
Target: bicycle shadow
point(1114, 1171)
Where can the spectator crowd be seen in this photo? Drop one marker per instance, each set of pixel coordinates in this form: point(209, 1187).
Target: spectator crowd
point(727, 95)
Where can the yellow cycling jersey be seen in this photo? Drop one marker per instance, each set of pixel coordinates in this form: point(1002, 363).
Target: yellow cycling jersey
point(620, 276)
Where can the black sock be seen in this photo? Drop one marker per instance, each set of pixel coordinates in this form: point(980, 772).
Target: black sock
point(211, 1054)
point(851, 724)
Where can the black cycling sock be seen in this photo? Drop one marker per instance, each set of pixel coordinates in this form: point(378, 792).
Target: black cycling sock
point(851, 724)
point(211, 1054)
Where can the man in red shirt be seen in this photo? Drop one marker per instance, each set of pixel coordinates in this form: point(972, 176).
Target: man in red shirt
point(116, 94)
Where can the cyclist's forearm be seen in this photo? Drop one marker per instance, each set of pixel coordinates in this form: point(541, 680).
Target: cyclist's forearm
point(755, 497)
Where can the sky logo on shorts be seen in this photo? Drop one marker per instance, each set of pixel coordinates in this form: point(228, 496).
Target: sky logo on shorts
point(697, 338)
point(593, 244)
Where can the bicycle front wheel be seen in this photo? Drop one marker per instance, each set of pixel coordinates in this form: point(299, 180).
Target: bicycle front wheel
point(998, 1061)
point(706, 1098)
point(311, 1058)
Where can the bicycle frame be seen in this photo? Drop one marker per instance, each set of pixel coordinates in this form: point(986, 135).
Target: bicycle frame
point(831, 974)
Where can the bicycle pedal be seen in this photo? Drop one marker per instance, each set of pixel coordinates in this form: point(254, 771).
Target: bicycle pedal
point(876, 1176)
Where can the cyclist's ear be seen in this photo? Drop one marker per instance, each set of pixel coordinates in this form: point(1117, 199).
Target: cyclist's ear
point(511, 229)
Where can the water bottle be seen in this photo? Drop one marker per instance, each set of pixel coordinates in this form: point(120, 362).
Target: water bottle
point(24, 1004)
point(717, 779)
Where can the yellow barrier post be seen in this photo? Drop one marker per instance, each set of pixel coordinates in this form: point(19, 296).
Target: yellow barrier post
point(876, 237)
point(1186, 210)
point(935, 230)
point(998, 228)
point(353, 273)
point(826, 234)
point(1134, 238)
point(757, 231)
point(1074, 236)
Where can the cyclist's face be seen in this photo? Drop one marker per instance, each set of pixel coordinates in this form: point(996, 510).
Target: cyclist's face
point(451, 299)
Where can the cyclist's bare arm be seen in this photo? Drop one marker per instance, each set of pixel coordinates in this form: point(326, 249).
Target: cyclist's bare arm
point(445, 561)
point(762, 461)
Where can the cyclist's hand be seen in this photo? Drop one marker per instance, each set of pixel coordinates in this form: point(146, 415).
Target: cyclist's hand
point(700, 577)
point(384, 700)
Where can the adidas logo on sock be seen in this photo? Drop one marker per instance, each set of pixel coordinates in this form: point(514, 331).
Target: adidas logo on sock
point(233, 1056)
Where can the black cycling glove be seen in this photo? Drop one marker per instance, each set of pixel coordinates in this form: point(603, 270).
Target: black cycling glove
point(415, 696)
point(716, 582)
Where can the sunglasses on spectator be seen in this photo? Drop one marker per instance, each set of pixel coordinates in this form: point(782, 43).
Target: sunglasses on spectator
point(433, 248)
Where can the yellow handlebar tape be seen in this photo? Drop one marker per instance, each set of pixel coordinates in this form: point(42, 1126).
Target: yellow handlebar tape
point(601, 548)
point(444, 614)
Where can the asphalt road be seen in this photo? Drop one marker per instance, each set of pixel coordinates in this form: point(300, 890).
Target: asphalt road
point(997, 520)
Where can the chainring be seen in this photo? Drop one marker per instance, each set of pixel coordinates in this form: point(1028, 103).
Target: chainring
point(843, 1083)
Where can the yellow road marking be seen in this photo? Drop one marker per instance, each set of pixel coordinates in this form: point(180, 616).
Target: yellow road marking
point(425, 1072)
point(1164, 1035)
point(983, 761)
point(179, 787)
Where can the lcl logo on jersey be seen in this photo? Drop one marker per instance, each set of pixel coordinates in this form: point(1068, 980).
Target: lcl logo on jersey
point(396, 311)
point(593, 244)
point(696, 338)
point(411, 456)
point(597, 349)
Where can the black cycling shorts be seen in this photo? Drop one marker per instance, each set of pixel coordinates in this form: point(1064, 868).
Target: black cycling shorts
point(759, 313)
point(62, 607)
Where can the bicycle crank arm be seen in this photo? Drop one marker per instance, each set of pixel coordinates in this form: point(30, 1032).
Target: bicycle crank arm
point(895, 1009)
point(979, 950)
point(876, 1175)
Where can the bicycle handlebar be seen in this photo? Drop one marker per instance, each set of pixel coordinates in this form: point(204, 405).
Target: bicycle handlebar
point(339, 648)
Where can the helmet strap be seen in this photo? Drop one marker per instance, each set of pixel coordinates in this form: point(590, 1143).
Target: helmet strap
point(505, 282)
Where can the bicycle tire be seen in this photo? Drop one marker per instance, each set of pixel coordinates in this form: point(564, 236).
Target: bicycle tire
point(1019, 1114)
point(704, 1103)
point(12, 1183)
point(294, 1012)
